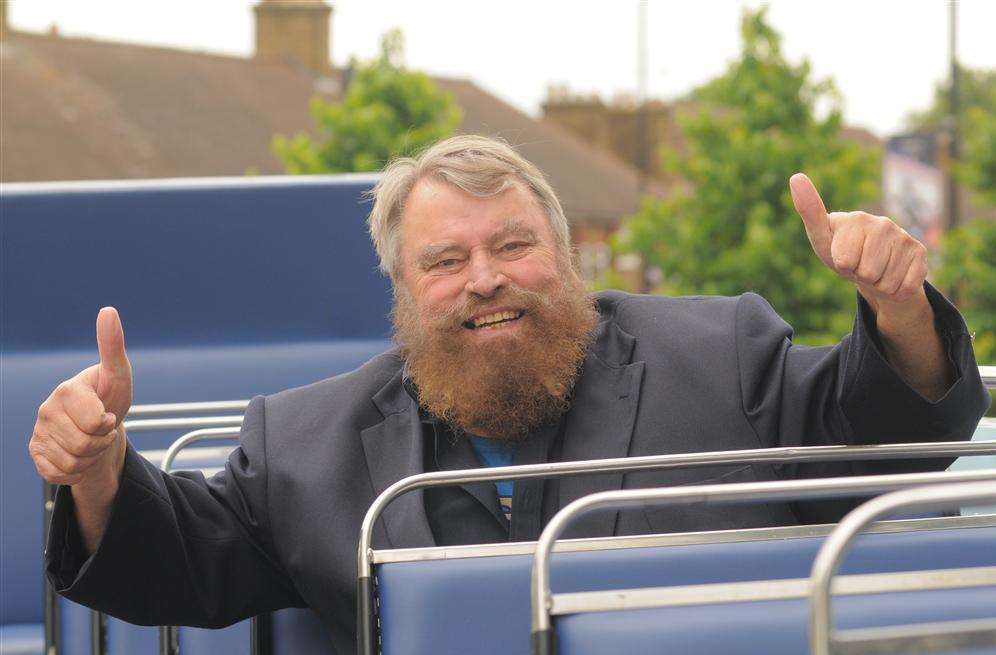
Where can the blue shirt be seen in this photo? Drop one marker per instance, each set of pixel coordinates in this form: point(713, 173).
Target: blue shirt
point(492, 453)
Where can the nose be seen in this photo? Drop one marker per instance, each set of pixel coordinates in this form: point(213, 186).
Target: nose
point(485, 279)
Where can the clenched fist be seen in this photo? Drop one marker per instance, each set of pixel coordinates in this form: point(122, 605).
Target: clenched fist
point(78, 439)
point(882, 259)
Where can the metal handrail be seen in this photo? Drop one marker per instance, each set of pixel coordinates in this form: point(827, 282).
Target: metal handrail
point(168, 634)
point(783, 491)
point(165, 415)
point(988, 375)
point(188, 408)
point(366, 623)
point(204, 434)
point(662, 540)
point(836, 546)
point(181, 422)
point(784, 455)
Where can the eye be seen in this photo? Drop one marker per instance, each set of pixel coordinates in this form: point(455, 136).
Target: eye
point(446, 263)
point(513, 246)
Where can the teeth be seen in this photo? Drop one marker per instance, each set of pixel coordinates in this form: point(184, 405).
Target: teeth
point(497, 317)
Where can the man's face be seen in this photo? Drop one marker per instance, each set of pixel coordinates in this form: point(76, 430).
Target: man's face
point(491, 318)
point(461, 250)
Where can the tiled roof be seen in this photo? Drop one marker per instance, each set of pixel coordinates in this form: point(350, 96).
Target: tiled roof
point(84, 109)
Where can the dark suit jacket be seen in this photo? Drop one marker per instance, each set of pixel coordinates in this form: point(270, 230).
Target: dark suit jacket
point(665, 375)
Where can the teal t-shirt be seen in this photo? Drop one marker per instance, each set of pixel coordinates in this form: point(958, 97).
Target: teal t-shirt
point(496, 453)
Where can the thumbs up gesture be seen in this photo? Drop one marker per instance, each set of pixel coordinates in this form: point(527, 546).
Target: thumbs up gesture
point(882, 259)
point(78, 438)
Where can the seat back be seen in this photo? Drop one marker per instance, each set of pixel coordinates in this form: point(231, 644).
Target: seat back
point(228, 288)
point(772, 627)
point(430, 598)
point(566, 622)
point(943, 600)
point(451, 600)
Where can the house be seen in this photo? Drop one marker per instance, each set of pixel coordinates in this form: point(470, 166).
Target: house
point(78, 109)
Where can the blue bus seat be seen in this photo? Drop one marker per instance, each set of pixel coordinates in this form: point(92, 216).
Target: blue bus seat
point(233, 640)
point(211, 264)
point(777, 627)
point(22, 639)
point(481, 604)
point(74, 628)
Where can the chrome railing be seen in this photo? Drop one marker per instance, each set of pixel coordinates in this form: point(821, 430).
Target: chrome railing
point(188, 408)
point(542, 600)
point(922, 638)
point(169, 635)
point(366, 602)
point(789, 455)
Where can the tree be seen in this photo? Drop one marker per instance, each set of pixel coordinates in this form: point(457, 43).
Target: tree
point(967, 257)
point(387, 111)
point(968, 269)
point(729, 226)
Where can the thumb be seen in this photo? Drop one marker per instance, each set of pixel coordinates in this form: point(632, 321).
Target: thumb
point(114, 365)
point(810, 206)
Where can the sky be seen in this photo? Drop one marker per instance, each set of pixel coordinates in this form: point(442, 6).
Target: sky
point(884, 55)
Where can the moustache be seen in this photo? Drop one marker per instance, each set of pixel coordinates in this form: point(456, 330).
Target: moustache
point(455, 318)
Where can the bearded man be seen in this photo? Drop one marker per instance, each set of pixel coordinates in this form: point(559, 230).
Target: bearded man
point(502, 358)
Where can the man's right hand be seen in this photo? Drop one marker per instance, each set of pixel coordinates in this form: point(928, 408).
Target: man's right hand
point(78, 439)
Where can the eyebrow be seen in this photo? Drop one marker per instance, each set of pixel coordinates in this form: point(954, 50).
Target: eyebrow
point(513, 227)
point(430, 254)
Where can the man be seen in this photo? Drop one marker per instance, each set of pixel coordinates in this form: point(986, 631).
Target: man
point(502, 358)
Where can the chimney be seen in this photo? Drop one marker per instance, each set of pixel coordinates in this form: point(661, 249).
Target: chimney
point(294, 30)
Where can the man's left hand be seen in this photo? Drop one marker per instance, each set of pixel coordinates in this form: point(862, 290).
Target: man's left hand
point(882, 259)
point(889, 267)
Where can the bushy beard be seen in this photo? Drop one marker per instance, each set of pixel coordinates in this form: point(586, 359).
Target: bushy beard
point(505, 386)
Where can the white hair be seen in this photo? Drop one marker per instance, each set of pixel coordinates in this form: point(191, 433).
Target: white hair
point(480, 166)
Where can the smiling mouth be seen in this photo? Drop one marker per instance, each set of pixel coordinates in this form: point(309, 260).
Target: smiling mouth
point(492, 321)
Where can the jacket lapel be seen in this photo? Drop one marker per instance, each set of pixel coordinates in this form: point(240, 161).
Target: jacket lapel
point(600, 422)
point(394, 450)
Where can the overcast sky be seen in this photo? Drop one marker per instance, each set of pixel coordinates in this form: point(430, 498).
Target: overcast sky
point(885, 55)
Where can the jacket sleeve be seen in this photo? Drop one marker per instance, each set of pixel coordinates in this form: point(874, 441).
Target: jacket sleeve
point(849, 393)
point(179, 549)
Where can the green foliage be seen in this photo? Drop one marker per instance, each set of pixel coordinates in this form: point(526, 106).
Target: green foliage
point(730, 225)
point(978, 167)
point(387, 111)
point(968, 268)
point(967, 259)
